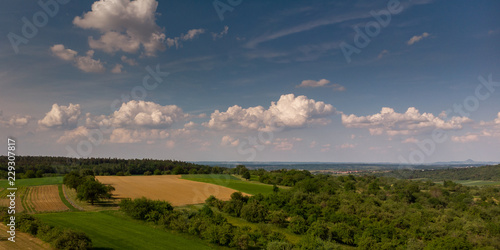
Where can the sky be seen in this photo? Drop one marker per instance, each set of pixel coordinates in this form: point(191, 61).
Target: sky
point(324, 81)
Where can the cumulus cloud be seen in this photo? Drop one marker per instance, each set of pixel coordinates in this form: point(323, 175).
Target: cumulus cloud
point(289, 112)
point(15, 120)
point(76, 134)
point(117, 69)
point(128, 61)
point(229, 141)
point(216, 36)
point(392, 123)
point(177, 41)
point(63, 53)
point(417, 38)
point(61, 116)
point(465, 138)
point(125, 25)
point(85, 63)
point(141, 114)
point(491, 128)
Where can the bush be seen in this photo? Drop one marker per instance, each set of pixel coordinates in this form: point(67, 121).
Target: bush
point(254, 212)
point(145, 209)
point(297, 225)
point(72, 240)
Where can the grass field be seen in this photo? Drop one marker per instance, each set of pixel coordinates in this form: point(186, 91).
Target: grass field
point(114, 230)
point(169, 188)
point(231, 182)
point(34, 181)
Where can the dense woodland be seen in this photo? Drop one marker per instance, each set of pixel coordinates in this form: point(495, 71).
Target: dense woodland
point(38, 166)
point(485, 173)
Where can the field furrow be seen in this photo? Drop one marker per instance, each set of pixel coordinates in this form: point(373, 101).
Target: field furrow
point(46, 198)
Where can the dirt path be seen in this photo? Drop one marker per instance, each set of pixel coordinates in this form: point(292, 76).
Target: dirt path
point(170, 188)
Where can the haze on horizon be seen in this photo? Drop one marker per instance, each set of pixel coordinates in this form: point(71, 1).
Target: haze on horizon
point(364, 81)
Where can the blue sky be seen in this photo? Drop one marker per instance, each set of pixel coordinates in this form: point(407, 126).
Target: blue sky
point(269, 81)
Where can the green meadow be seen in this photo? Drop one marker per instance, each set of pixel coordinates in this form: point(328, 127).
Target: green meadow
point(231, 182)
point(114, 230)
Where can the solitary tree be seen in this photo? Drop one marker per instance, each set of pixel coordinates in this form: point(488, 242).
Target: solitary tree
point(246, 175)
point(91, 190)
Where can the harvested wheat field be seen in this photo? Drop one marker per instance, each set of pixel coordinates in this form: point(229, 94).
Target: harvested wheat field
point(170, 188)
point(46, 198)
point(24, 241)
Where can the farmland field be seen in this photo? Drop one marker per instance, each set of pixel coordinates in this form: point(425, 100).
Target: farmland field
point(24, 241)
point(231, 182)
point(34, 181)
point(113, 230)
point(170, 188)
point(46, 198)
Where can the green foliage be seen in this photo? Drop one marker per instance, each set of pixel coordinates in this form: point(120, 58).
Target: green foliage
point(60, 239)
point(246, 175)
point(145, 209)
point(114, 230)
point(91, 190)
point(254, 212)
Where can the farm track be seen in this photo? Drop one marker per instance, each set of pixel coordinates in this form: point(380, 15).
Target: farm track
point(170, 188)
point(64, 188)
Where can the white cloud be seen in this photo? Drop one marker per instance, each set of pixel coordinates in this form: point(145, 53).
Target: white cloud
point(141, 114)
point(122, 135)
point(88, 64)
point(229, 141)
point(216, 36)
point(74, 135)
point(346, 146)
point(177, 41)
point(465, 138)
point(382, 54)
point(117, 69)
point(129, 61)
point(410, 140)
point(338, 87)
point(392, 123)
point(415, 39)
point(491, 128)
point(313, 144)
point(64, 54)
point(320, 83)
point(170, 144)
point(314, 83)
point(15, 120)
point(288, 112)
point(61, 116)
point(85, 63)
point(125, 25)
